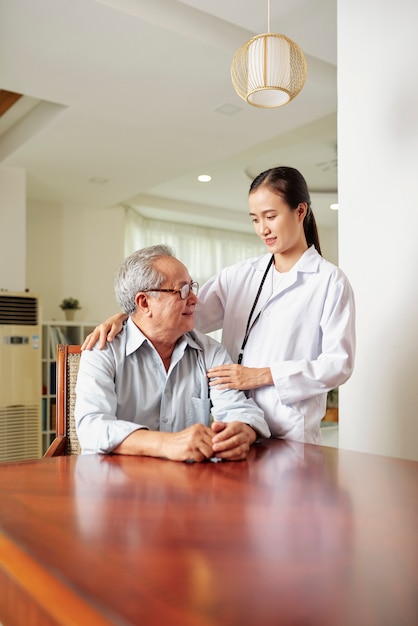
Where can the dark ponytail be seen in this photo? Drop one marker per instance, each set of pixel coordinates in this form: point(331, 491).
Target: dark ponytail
point(289, 183)
point(311, 230)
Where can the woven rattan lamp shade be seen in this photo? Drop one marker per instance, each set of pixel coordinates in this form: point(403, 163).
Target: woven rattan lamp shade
point(268, 71)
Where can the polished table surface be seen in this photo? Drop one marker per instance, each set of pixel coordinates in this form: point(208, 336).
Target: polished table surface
point(296, 535)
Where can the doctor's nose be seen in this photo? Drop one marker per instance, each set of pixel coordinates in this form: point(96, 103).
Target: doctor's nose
point(263, 227)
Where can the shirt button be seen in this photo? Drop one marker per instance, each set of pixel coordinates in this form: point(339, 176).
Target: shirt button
point(267, 313)
point(165, 420)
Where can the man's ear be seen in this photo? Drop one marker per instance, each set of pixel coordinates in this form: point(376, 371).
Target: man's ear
point(142, 303)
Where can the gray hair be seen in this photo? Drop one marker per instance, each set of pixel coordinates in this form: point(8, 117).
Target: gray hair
point(138, 273)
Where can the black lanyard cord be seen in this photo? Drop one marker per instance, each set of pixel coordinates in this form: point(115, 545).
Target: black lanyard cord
point(248, 329)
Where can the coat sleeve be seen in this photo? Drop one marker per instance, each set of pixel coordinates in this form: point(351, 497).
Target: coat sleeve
point(297, 380)
point(209, 315)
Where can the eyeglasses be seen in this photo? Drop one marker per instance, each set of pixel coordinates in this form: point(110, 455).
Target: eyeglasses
point(184, 291)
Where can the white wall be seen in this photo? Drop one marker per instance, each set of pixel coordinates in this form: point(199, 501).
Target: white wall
point(74, 251)
point(12, 229)
point(93, 251)
point(378, 220)
point(44, 257)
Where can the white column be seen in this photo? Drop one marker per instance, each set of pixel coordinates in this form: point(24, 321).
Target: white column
point(378, 220)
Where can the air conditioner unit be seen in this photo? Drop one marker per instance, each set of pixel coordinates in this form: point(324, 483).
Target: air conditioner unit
point(20, 376)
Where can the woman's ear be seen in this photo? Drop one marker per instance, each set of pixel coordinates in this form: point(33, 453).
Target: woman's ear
point(302, 210)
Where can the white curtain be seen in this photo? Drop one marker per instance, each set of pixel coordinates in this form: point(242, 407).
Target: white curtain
point(204, 251)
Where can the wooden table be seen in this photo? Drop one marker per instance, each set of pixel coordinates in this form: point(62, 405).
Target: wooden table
point(296, 535)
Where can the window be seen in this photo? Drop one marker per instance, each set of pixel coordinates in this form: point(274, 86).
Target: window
point(204, 251)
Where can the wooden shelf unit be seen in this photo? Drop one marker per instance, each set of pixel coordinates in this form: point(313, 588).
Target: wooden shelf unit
point(54, 332)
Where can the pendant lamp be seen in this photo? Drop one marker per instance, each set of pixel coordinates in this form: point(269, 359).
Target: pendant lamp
point(269, 70)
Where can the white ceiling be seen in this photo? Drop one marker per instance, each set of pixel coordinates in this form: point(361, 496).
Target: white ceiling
point(127, 93)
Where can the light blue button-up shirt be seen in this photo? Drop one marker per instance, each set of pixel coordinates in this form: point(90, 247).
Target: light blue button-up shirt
point(125, 387)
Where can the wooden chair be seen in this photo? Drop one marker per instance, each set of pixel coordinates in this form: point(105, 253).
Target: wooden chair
point(66, 440)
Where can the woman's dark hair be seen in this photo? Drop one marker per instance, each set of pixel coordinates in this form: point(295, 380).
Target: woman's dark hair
point(289, 183)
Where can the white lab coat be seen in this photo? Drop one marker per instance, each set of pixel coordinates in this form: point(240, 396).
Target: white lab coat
point(305, 334)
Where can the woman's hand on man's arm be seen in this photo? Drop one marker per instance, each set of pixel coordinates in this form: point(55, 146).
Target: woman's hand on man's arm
point(233, 376)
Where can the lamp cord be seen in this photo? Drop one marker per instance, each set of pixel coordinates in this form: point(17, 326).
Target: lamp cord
point(268, 16)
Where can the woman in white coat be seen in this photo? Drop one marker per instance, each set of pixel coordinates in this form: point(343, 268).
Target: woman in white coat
point(288, 317)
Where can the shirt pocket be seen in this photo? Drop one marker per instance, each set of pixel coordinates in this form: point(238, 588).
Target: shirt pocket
point(199, 411)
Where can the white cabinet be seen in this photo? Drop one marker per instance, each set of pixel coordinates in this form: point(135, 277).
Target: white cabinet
point(53, 333)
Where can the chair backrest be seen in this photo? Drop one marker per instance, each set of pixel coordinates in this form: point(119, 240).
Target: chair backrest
point(66, 440)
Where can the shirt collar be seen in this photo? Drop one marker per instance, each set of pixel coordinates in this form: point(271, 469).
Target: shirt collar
point(135, 338)
point(308, 262)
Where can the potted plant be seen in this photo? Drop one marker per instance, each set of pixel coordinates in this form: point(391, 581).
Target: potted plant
point(70, 306)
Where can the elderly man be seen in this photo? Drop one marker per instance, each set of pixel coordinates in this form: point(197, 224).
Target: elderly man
point(147, 392)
